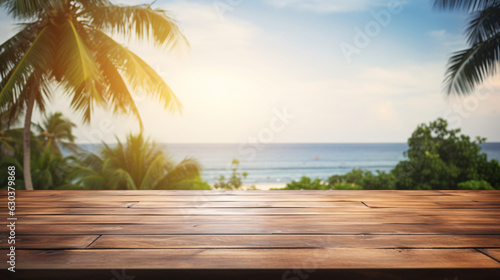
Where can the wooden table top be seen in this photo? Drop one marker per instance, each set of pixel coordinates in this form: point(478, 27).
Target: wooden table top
point(255, 229)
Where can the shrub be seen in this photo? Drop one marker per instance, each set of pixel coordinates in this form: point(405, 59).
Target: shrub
point(475, 185)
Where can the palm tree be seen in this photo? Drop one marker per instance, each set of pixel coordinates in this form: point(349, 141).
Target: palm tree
point(136, 165)
point(56, 131)
point(472, 66)
point(67, 43)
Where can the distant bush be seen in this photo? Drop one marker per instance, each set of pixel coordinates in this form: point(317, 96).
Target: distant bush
point(364, 178)
point(346, 186)
point(235, 180)
point(192, 184)
point(475, 185)
point(306, 183)
point(491, 172)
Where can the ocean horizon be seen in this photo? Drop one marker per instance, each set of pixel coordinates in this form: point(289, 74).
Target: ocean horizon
point(285, 162)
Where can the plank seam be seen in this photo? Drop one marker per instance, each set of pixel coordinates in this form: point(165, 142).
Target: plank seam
point(486, 254)
point(93, 241)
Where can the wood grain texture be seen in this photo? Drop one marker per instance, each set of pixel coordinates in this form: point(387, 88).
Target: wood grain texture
point(324, 258)
point(54, 242)
point(294, 241)
point(255, 230)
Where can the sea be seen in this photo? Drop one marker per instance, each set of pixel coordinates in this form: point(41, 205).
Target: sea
point(283, 163)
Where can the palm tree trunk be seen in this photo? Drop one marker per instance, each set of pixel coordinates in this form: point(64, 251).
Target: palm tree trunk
point(28, 184)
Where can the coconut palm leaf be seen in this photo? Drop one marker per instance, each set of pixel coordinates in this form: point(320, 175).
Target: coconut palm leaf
point(464, 5)
point(116, 89)
point(186, 169)
point(142, 21)
point(470, 67)
point(120, 178)
point(155, 170)
point(134, 164)
point(29, 9)
point(483, 25)
point(139, 74)
point(38, 56)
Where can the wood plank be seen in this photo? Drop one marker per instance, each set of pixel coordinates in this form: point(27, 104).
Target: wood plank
point(337, 258)
point(251, 211)
point(250, 219)
point(258, 198)
point(50, 241)
point(261, 229)
point(188, 204)
point(247, 204)
point(493, 253)
point(294, 241)
point(440, 204)
point(198, 228)
point(416, 193)
point(66, 204)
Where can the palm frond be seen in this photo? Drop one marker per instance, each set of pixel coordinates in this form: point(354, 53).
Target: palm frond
point(117, 92)
point(483, 25)
point(470, 67)
point(187, 169)
point(29, 9)
point(146, 23)
point(120, 178)
point(464, 5)
point(154, 172)
point(138, 73)
point(81, 77)
point(38, 56)
point(13, 49)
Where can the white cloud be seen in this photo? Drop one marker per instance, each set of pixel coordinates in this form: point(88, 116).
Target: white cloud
point(326, 6)
point(438, 33)
point(449, 41)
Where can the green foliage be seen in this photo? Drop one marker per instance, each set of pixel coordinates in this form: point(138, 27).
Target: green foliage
point(475, 185)
point(346, 186)
point(439, 158)
point(364, 178)
point(470, 67)
point(490, 172)
point(135, 165)
point(355, 180)
point(56, 132)
point(69, 44)
point(49, 169)
point(235, 180)
point(195, 183)
point(305, 183)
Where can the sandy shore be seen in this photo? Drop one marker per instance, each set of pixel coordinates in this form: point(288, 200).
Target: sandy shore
point(266, 186)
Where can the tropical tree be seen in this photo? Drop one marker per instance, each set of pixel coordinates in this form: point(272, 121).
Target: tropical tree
point(441, 158)
point(136, 165)
point(48, 167)
point(68, 44)
point(56, 132)
point(472, 66)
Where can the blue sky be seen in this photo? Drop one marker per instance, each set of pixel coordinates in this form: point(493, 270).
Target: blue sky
point(251, 62)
